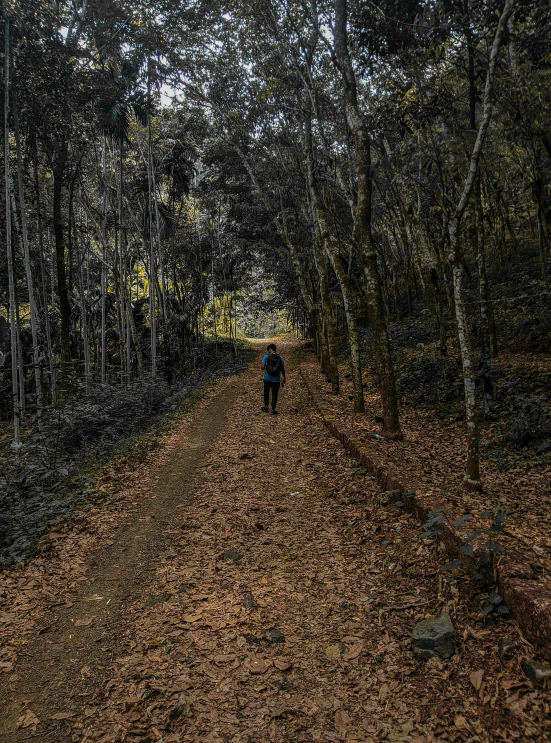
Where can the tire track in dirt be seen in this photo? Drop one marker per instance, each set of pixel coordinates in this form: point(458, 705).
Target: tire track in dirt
point(66, 666)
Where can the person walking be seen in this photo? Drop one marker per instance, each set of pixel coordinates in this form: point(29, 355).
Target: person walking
point(274, 377)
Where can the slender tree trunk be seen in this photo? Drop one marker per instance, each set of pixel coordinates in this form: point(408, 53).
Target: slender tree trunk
point(472, 467)
point(332, 369)
point(104, 271)
point(63, 288)
point(80, 257)
point(123, 269)
point(20, 355)
point(162, 289)
point(10, 264)
point(542, 236)
point(47, 329)
point(332, 251)
point(27, 261)
point(213, 291)
point(118, 262)
point(152, 267)
point(352, 329)
point(363, 227)
point(440, 318)
point(486, 311)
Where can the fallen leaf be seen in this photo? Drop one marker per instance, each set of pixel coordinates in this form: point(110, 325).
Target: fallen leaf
point(476, 679)
point(6, 667)
point(223, 658)
point(282, 710)
point(384, 692)
point(401, 733)
point(84, 622)
point(333, 652)
point(28, 720)
point(211, 671)
point(461, 722)
point(257, 665)
point(354, 651)
point(515, 684)
point(341, 720)
point(63, 716)
point(190, 618)
point(282, 664)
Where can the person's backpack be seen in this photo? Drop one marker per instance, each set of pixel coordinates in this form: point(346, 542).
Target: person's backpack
point(274, 365)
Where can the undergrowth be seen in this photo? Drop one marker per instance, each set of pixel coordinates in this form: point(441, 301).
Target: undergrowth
point(61, 454)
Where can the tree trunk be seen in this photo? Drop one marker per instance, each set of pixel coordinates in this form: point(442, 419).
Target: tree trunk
point(542, 232)
point(352, 331)
point(440, 319)
point(103, 279)
point(331, 249)
point(363, 227)
point(80, 257)
point(118, 267)
point(472, 469)
point(63, 288)
point(27, 260)
point(10, 265)
point(152, 268)
point(47, 329)
point(328, 316)
point(486, 311)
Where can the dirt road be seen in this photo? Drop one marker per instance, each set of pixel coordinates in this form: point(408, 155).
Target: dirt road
point(262, 591)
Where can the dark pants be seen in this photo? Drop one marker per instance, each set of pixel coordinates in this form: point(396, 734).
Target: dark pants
point(274, 386)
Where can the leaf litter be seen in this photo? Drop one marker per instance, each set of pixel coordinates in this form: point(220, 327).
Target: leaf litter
point(344, 605)
point(432, 457)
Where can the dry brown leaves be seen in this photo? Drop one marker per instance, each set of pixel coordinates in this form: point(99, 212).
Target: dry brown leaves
point(51, 580)
point(306, 637)
point(432, 456)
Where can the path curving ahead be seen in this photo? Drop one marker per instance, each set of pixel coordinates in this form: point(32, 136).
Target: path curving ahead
point(261, 593)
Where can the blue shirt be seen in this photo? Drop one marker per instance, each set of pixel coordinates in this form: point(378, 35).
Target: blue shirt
point(271, 377)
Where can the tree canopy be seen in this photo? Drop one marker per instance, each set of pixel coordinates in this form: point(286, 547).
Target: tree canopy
point(175, 170)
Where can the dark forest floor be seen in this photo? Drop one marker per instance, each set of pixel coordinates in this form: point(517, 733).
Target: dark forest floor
point(133, 627)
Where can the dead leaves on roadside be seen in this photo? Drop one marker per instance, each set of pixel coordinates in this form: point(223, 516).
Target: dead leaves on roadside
point(84, 622)
point(28, 720)
point(206, 664)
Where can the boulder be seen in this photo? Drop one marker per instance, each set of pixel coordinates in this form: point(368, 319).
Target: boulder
point(434, 638)
point(536, 672)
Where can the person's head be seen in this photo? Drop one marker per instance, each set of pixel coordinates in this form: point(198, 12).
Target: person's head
point(272, 348)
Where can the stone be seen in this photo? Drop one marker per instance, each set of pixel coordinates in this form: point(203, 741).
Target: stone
point(232, 556)
point(536, 672)
point(434, 638)
point(507, 648)
point(248, 601)
point(274, 635)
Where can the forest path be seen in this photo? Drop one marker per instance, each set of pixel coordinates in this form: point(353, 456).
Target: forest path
point(263, 593)
point(50, 672)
